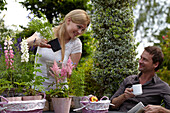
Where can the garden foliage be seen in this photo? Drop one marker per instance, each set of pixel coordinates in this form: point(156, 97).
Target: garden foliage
point(55, 10)
point(115, 56)
point(152, 16)
point(4, 31)
point(2, 5)
point(163, 73)
point(42, 26)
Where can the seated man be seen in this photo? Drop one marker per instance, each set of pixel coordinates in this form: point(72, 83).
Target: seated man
point(154, 89)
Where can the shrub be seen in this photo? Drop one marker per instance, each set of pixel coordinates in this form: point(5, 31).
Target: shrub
point(164, 72)
point(115, 55)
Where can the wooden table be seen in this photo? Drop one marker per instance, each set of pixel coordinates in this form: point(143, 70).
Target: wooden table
point(80, 112)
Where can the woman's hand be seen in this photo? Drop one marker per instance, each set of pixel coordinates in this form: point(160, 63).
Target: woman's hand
point(41, 42)
point(34, 40)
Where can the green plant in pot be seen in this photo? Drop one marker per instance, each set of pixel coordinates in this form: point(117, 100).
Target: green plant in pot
point(60, 95)
point(18, 71)
point(77, 86)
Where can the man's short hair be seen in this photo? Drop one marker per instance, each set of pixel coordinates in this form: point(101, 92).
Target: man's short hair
point(157, 55)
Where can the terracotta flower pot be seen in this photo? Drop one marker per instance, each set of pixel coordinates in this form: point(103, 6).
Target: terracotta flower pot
point(26, 98)
point(12, 99)
point(61, 105)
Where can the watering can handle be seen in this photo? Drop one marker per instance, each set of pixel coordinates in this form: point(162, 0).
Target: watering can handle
point(6, 101)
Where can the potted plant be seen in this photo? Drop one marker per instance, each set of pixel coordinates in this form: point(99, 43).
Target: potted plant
point(18, 79)
point(76, 87)
point(18, 74)
point(9, 72)
point(60, 95)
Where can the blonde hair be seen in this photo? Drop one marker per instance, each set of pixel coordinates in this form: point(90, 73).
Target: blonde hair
point(77, 16)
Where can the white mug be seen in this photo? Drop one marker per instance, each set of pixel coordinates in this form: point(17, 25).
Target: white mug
point(137, 89)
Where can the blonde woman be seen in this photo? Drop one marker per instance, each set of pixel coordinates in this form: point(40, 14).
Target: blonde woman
point(74, 24)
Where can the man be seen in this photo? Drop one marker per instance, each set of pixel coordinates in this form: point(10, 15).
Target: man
point(154, 89)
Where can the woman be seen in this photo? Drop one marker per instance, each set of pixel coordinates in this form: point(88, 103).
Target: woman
point(73, 25)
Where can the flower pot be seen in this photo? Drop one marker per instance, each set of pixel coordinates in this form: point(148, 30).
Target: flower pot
point(61, 105)
point(51, 106)
point(26, 98)
point(46, 107)
point(12, 99)
point(75, 102)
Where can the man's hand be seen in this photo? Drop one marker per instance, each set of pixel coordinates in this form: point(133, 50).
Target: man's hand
point(156, 109)
point(121, 98)
point(128, 93)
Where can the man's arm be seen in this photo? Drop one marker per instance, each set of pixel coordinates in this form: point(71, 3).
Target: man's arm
point(120, 99)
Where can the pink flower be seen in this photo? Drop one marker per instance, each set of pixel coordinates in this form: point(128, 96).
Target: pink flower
point(11, 51)
point(70, 66)
point(12, 61)
point(64, 71)
point(51, 74)
point(5, 43)
point(56, 70)
point(6, 51)
point(6, 60)
point(61, 74)
point(11, 55)
point(163, 37)
point(10, 42)
point(6, 56)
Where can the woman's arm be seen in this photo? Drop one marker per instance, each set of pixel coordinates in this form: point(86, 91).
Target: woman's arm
point(34, 40)
point(75, 58)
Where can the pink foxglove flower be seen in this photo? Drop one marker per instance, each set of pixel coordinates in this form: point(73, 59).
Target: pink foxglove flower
point(8, 52)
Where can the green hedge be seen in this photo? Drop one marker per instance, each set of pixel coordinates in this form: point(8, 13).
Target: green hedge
point(115, 55)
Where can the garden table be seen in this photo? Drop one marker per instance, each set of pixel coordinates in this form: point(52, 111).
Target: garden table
point(80, 112)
